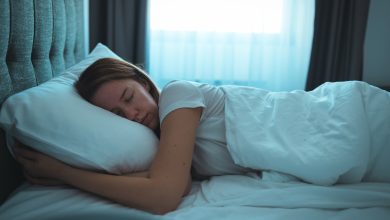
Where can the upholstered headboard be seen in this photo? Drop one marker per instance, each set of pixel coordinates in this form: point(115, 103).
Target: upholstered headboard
point(38, 40)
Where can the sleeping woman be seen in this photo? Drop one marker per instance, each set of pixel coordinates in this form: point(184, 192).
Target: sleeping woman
point(321, 137)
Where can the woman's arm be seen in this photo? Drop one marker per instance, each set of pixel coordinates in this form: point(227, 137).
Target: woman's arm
point(145, 174)
point(159, 192)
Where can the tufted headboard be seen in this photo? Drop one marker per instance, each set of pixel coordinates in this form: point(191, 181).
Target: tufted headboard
point(38, 40)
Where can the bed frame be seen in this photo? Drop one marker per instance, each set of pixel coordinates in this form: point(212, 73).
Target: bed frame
point(38, 40)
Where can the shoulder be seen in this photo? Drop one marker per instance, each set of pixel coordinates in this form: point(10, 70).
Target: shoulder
point(179, 85)
point(180, 94)
point(180, 90)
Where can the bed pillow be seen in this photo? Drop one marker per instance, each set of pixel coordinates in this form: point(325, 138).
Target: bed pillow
point(52, 118)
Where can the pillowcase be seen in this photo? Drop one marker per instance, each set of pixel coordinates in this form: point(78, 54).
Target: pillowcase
point(52, 118)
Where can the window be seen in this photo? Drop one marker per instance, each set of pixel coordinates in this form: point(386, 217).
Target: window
point(250, 16)
point(259, 43)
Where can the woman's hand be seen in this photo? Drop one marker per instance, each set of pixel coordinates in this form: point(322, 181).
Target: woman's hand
point(39, 168)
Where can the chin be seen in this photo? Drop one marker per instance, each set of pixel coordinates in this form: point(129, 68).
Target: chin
point(153, 126)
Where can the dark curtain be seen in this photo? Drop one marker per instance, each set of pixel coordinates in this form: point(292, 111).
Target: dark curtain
point(338, 40)
point(121, 25)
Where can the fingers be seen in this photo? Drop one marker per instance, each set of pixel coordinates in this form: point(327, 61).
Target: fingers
point(29, 178)
point(29, 169)
point(25, 152)
point(18, 143)
point(21, 145)
point(26, 159)
point(41, 181)
point(25, 162)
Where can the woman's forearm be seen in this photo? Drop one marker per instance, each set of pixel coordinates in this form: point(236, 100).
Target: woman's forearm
point(144, 174)
point(135, 192)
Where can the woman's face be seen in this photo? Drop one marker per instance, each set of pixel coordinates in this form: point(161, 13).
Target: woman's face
point(129, 99)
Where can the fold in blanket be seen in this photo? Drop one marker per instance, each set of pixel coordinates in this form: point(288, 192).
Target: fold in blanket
point(339, 132)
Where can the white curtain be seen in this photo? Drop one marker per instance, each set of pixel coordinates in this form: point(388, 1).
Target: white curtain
point(262, 43)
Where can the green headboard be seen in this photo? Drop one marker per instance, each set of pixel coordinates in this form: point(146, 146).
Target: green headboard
point(38, 40)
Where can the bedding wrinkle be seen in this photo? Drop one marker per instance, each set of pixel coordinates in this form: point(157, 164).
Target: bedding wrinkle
point(321, 137)
point(377, 103)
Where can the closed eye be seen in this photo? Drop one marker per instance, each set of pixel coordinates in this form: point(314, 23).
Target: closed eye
point(129, 99)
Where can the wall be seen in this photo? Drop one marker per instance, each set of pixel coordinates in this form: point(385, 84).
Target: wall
point(377, 44)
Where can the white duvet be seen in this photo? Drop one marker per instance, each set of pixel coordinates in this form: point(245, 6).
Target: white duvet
point(339, 132)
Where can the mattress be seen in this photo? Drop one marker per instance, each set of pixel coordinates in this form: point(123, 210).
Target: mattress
point(221, 197)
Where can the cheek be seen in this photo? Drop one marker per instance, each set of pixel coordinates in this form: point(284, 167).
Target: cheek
point(145, 103)
point(155, 106)
point(150, 101)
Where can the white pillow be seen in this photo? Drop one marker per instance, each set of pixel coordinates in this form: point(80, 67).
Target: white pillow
point(54, 119)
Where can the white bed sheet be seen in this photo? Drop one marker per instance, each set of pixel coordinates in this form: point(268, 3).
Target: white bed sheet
point(224, 197)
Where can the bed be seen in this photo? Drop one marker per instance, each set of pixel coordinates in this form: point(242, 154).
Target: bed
point(41, 40)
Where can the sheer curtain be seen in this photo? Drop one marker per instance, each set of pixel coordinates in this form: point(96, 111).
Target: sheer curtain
point(260, 43)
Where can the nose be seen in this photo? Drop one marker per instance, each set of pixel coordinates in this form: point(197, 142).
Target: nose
point(131, 113)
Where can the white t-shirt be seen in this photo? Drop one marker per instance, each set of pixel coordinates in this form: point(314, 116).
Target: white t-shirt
point(211, 156)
